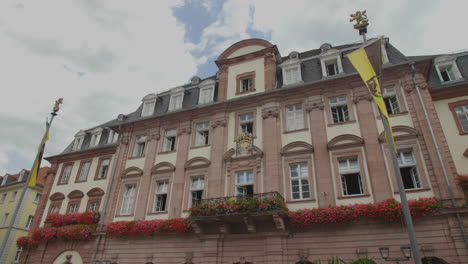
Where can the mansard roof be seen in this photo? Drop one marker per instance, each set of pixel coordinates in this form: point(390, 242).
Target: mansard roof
point(461, 61)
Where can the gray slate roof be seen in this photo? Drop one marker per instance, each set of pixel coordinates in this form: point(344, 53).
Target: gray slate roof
point(462, 64)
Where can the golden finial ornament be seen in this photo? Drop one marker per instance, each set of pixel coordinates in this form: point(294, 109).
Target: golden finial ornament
point(56, 108)
point(361, 20)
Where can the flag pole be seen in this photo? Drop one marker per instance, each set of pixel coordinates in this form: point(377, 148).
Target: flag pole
point(3, 252)
point(361, 25)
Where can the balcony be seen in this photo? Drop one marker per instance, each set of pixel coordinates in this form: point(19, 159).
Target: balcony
point(263, 212)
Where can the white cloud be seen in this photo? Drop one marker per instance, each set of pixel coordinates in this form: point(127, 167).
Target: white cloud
point(102, 57)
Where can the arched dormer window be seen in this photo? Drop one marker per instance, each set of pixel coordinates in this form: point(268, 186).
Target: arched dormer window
point(292, 69)
point(79, 138)
point(330, 60)
point(95, 137)
point(149, 103)
point(177, 98)
point(447, 69)
point(206, 92)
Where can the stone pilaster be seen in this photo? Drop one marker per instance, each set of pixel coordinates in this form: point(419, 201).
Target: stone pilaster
point(271, 149)
point(218, 148)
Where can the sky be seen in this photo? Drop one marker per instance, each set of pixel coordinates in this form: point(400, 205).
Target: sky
point(103, 57)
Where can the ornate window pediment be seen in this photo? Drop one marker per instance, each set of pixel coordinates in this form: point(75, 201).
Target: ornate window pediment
point(400, 133)
point(162, 167)
point(95, 192)
point(132, 172)
point(230, 155)
point(196, 163)
point(58, 196)
point(76, 194)
point(296, 148)
point(345, 141)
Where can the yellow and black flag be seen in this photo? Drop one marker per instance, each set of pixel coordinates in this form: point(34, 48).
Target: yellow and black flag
point(37, 163)
point(368, 63)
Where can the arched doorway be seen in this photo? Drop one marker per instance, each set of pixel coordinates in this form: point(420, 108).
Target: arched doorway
point(68, 257)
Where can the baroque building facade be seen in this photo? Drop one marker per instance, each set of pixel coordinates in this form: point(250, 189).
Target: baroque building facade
point(317, 141)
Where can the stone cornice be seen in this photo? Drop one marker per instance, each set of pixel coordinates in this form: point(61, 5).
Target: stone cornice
point(270, 112)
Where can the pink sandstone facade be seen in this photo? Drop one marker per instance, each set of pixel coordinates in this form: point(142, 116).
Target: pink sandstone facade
point(318, 140)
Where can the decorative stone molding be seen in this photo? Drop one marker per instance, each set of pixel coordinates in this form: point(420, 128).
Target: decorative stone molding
point(162, 167)
point(58, 196)
point(367, 97)
point(279, 222)
point(250, 224)
point(76, 194)
point(94, 192)
point(345, 141)
point(188, 258)
point(124, 140)
point(52, 170)
point(296, 148)
point(131, 172)
point(270, 112)
point(400, 133)
point(251, 160)
point(154, 135)
point(309, 106)
point(197, 163)
point(183, 130)
point(219, 122)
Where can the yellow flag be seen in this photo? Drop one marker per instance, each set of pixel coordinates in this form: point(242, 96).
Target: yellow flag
point(37, 163)
point(367, 70)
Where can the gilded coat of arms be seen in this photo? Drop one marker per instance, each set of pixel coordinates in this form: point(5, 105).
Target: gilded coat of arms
point(244, 143)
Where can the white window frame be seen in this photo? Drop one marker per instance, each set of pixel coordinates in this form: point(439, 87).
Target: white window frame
point(174, 102)
point(167, 144)
point(388, 93)
point(295, 66)
point(93, 207)
point(4, 196)
point(54, 209)
point(140, 146)
point(325, 61)
point(302, 175)
point(448, 61)
point(202, 135)
point(113, 136)
point(17, 258)
point(37, 198)
point(4, 219)
point(250, 117)
point(21, 176)
point(404, 163)
point(294, 118)
point(13, 197)
point(84, 171)
point(197, 184)
point(350, 170)
point(462, 113)
point(148, 107)
point(161, 190)
point(66, 174)
point(128, 199)
point(339, 103)
point(73, 208)
point(79, 138)
point(29, 222)
point(245, 181)
point(249, 88)
point(101, 165)
point(95, 137)
point(203, 97)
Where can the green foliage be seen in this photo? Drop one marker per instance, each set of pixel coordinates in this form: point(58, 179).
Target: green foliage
point(362, 261)
point(333, 260)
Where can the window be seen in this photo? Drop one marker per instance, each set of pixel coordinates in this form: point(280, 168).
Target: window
point(246, 84)
point(113, 136)
point(339, 109)
point(128, 200)
point(148, 108)
point(18, 254)
point(37, 198)
point(462, 115)
point(66, 172)
point(206, 95)
point(13, 197)
point(21, 176)
point(244, 183)
point(103, 168)
point(196, 191)
point(92, 207)
point(176, 101)
point(4, 219)
point(79, 138)
point(246, 123)
point(447, 73)
point(160, 197)
point(4, 196)
point(292, 75)
point(391, 100)
point(169, 140)
point(331, 67)
point(299, 174)
point(73, 208)
point(29, 222)
point(84, 170)
point(408, 170)
point(294, 117)
point(95, 137)
point(350, 176)
point(139, 148)
point(201, 137)
point(54, 209)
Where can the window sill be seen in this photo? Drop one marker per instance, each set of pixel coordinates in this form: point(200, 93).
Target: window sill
point(121, 215)
point(99, 179)
point(167, 152)
point(246, 92)
point(157, 213)
point(301, 200)
point(414, 190)
point(62, 183)
point(353, 196)
point(196, 147)
point(463, 133)
point(342, 123)
point(136, 157)
point(297, 130)
point(397, 114)
point(81, 181)
point(452, 81)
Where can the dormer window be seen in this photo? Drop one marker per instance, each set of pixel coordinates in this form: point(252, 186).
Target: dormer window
point(206, 92)
point(149, 102)
point(330, 61)
point(177, 97)
point(79, 138)
point(21, 176)
point(113, 136)
point(447, 69)
point(95, 137)
point(292, 69)
point(246, 84)
point(331, 67)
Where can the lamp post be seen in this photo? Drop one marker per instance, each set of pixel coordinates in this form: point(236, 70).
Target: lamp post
point(405, 250)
